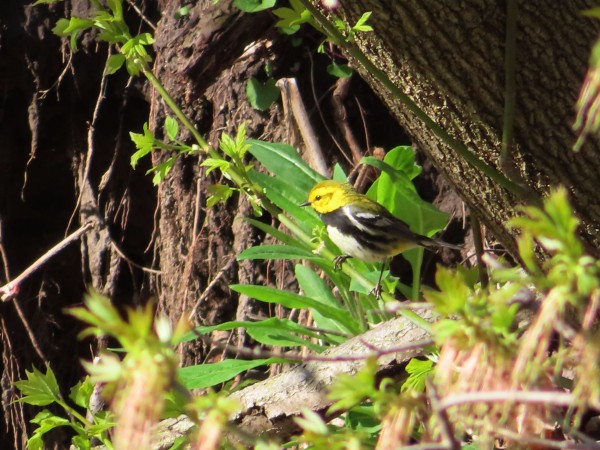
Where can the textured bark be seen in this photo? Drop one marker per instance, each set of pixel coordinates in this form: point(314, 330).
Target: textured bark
point(204, 66)
point(448, 57)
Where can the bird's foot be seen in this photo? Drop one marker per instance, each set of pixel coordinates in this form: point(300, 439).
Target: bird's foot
point(338, 261)
point(376, 291)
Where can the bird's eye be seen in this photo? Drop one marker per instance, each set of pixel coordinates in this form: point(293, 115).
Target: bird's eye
point(318, 197)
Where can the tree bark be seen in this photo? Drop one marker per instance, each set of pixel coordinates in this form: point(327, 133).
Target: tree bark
point(448, 57)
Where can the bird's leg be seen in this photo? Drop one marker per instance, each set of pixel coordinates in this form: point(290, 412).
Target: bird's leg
point(377, 289)
point(339, 260)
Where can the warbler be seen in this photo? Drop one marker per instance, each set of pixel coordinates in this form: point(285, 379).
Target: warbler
point(363, 228)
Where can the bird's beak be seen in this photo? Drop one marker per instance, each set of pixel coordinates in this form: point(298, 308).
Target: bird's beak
point(305, 204)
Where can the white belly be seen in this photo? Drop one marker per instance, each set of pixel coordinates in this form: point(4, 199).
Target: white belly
point(350, 246)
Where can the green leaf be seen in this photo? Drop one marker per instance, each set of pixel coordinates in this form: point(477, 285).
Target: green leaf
point(162, 170)
point(213, 164)
point(253, 6)
point(172, 128)
point(46, 422)
point(80, 393)
point(288, 196)
point(273, 331)
point(339, 70)
point(593, 12)
point(81, 442)
point(73, 28)
point(283, 160)
point(207, 375)
point(417, 373)
point(315, 287)
point(453, 292)
point(218, 193)
point(361, 24)
point(46, 2)
point(274, 232)
point(145, 143)
point(182, 12)
point(39, 389)
point(261, 95)
point(114, 63)
point(291, 300)
point(276, 251)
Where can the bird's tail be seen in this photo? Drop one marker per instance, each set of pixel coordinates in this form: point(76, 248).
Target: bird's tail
point(433, 243)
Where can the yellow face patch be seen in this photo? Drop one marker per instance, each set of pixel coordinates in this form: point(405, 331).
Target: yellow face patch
point(329, 195)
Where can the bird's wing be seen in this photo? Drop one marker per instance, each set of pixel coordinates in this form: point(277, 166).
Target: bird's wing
point(378, 221)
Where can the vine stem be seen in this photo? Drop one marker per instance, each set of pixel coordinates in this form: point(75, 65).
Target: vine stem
point(459, 147)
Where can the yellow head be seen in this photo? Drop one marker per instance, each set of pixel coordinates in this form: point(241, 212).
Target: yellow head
point(327, 196)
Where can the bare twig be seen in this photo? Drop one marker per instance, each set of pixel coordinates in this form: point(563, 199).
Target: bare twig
point(260, 353)
point(512, 396)
point(130, 261)
point(290, 92)
point(442, 416)
point(479, 250)
point(340, 93)
point(545, 443)
point(11, 288)
point(141, 14)
point(214, 281)
point(320, 111)
point(90, 144)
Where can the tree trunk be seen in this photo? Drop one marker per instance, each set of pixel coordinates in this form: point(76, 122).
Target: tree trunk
point(449, 58)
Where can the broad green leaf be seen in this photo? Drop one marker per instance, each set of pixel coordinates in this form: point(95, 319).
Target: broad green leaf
point(291, 300)
point(162, 170)
point(417, 373)
point(288, 197)
point(315, 287)
point(46, 421)
point(272, 329)
point(80, 393)
point(261, 95)
point(172, 128)
point(274, 232)
point(361, 24)
point(218, 193)
point(276, 251)
point(253, 6)
point(283, 160)
point(339, 70)
point(39, 389)
point(453, 292)
point(114, 63)
point(143, 142)
point(207, 375)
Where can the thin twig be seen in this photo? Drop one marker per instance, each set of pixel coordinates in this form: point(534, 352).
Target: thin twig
point(130, 261)
point(90, 147)
point(141, 14)
point(442, 416)
point(479, 250)
point(11, 288)
point(522, 438)
point(214, 281)
point(320, 111)
point(264, 354)
point(513, 396)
